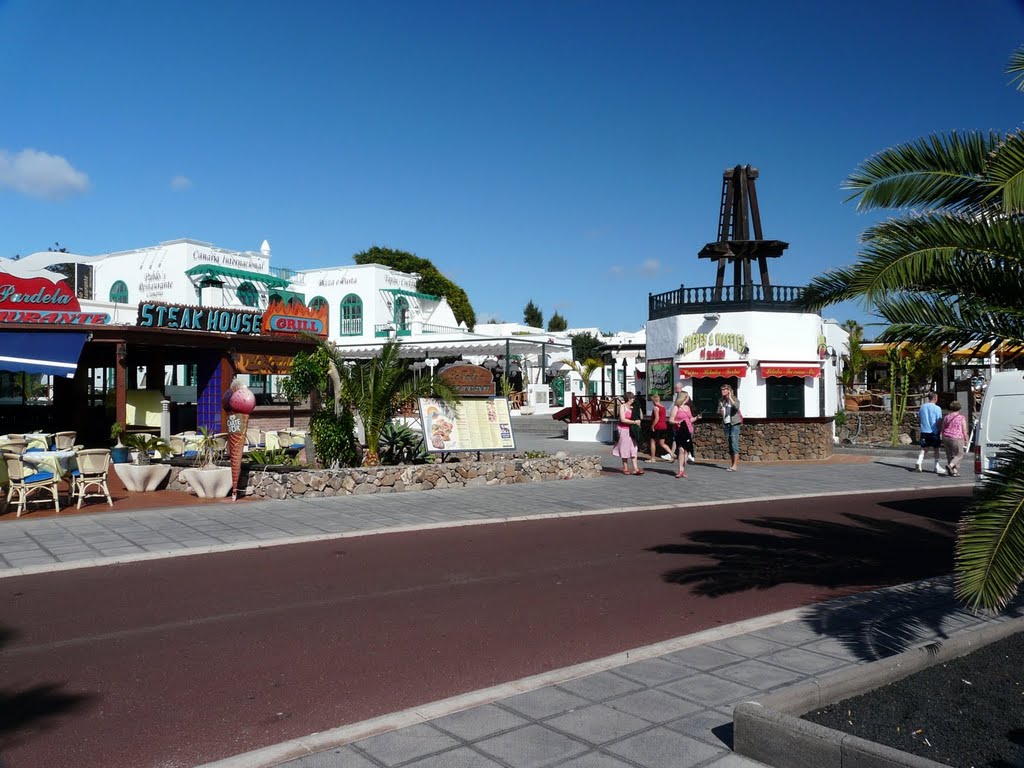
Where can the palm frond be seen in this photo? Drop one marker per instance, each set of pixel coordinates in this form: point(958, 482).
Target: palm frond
point(937, 320)
point(990, 545)
point(1016, 68)
point(1006, 170)
point(935, 172)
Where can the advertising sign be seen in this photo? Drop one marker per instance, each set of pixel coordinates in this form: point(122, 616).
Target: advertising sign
point(659, 378)
point(41, 301)
point(469, 380)
point(273, 365)
point(277, 319)
point(294, 318)
point(471, 425)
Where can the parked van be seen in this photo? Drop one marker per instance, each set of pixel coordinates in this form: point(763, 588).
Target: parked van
point(1002, 414)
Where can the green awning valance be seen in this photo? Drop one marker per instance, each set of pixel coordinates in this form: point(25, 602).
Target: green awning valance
point(414, 294)
point(210, 270)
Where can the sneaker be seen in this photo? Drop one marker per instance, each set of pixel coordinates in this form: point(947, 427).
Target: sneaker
point(939, 470)
point(691, 460)
point(667, 457)
point(917, 467)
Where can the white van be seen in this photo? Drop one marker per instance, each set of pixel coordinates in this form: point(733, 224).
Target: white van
point(1002, 414)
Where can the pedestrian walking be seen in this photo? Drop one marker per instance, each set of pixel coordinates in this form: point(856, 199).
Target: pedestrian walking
point(691, 455)
point(954, 438)
point(732, 417)
point(659, 430)
point(627, 427)
point(681, 419)
point(929, 416)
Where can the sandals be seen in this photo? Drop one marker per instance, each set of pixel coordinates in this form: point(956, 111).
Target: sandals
point(626, 472)
point(680, 474)
point(638, 472)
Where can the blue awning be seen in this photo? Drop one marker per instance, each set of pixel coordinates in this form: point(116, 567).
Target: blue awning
point(55, 354)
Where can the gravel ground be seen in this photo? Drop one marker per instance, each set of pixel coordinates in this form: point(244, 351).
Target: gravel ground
point(966, 713)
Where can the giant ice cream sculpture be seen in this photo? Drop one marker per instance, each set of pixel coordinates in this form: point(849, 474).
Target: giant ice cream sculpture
point(239, 402)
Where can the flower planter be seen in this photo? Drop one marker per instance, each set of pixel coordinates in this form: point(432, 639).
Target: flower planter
point(209, 482)
point(119, 454)
point(142, 477)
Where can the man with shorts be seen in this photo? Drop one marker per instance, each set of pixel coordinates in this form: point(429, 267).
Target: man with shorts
point(930, 418)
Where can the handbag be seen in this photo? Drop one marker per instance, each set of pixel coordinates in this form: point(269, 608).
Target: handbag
point(634, 433)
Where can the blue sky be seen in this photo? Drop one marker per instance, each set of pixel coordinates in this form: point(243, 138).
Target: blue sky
point(565, 151)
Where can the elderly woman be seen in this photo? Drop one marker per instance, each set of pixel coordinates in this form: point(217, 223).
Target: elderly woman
point(625, 447)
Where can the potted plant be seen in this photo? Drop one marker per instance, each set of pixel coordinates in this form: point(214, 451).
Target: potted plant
point(143, 475)
point(206, 478)
point(119, 453)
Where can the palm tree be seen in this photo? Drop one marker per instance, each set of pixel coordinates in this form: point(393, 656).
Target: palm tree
point(377, 388)
point(949, 270)
point(585, 369)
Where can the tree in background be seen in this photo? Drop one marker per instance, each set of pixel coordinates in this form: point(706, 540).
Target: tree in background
point(948, 271)
point(585, 346)
point(855, 360)
point(532, 316)
point(430, 279)
point(557, 323)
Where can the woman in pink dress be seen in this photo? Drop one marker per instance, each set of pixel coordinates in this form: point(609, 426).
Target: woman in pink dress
point(625, 448)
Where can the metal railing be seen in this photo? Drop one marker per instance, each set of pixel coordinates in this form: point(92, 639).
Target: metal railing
point(728, 298)
point(290, 275)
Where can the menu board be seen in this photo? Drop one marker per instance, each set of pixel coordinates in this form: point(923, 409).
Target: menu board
point(471, 425)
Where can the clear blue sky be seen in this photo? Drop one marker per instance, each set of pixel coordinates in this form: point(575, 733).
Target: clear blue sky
point(565, 151)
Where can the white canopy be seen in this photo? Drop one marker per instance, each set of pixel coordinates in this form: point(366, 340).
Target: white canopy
point(456, 345)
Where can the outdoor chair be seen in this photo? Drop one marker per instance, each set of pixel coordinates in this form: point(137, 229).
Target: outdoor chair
point(221, 440)
point(64, 441)
point(177, 444)
point(24, 481)
point(91, 475)
point(254, 438)
point(14, 446)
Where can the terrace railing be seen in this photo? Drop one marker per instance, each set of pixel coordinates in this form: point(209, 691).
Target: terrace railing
point(728, 298)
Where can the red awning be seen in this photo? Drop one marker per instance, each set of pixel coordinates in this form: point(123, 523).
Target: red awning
point(712, 371)
point(777, 370)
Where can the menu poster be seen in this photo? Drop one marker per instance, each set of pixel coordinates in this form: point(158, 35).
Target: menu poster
point(659, 378)
point(471, 425)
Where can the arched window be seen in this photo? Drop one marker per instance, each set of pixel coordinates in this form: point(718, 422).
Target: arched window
point(351, 316)
point(248, 295)
point(119, 292)
point(402, 313)
point(318, 303)
point(275, 297)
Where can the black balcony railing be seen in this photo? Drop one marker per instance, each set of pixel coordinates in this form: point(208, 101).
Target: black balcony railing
point(728, 298)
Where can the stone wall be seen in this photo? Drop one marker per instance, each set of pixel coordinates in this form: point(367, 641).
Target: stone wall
point(876, 427)
point(501, 470)
point(768, 440)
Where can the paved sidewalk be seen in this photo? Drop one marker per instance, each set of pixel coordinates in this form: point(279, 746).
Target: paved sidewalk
point(33, 546)
point(671, 707)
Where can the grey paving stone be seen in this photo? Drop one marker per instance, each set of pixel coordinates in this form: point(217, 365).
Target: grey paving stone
point(759, 675)
point(595, 760)
point(749, 645)
point(733, 760)
point(344, 757)
point(653, 706)
point(531, 747)
point(544, 702)
point(807, 662)
point(478, 722)
point(703, 657)
point(663, 748)
point(830, 646)
point(406, 744)
point(464, 757)
point(704, 724)
point(790, 633)
point(708, 690)
point(597, 724)
point(603, 685)
point(654, 671)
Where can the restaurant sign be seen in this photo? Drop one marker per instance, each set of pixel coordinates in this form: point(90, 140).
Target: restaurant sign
point(469, 380)
point(273, 365)
point(41, 301)
point(277, 319)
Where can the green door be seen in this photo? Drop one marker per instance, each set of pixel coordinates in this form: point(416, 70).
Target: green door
point(785, 397)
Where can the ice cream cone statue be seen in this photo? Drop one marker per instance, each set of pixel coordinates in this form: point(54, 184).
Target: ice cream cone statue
point(239, 402)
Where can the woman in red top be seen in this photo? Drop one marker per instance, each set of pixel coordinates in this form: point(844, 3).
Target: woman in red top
point(659, 430)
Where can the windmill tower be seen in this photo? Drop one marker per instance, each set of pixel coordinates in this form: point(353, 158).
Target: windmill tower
point(738, 212)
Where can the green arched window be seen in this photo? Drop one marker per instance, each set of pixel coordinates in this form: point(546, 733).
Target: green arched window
point(248, 295)
point(275, 297)
point(402, 313)
point(119, 292)
point(318, 303)
point(351, 316)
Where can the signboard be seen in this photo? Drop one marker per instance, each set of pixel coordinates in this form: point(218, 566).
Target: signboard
point(276, 320)
point(42, 301)
point(769, 370)
point(469, 380)
point(273, 365)
point(712, 371)
point(471, 425)
point(294, 318)
point(659, 378)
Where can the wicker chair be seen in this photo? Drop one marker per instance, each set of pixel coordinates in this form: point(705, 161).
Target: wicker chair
point(25, 480)
point(64, 441)
point(91, 475)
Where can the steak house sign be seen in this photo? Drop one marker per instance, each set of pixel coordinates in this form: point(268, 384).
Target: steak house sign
point(277, 319)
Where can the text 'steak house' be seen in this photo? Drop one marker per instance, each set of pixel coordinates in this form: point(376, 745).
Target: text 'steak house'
point(783, 362)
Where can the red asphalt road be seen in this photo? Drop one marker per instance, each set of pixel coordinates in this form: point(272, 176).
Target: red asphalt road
point(182, 661)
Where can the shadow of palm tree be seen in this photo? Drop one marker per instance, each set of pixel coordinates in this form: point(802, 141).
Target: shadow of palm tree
point(855, 553)
point(23, 711)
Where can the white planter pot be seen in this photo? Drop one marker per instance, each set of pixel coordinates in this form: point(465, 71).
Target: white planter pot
point(142, 477)
point(209, 482)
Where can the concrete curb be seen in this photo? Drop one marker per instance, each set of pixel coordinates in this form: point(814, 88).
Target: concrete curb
point(770, 730)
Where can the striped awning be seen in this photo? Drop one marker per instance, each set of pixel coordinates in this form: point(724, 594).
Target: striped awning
point(780, 370)
point(211, 270)
point(413, 294)
point(712, 371)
